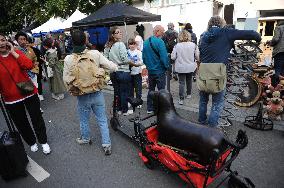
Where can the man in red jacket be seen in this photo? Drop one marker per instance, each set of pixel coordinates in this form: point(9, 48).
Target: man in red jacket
point(13, 66)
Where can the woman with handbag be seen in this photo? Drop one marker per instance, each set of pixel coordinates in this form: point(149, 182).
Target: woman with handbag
point(19, 94)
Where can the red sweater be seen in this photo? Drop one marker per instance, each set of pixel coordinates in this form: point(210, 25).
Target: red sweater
point(17, 69)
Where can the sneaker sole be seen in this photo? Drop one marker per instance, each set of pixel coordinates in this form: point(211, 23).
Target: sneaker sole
point(107, 154)
point(90, 143)
point(46, 153)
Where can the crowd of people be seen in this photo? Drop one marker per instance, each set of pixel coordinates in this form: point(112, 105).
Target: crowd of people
point(161, 51)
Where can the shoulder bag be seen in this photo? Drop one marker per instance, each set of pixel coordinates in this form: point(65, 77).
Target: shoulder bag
point(152, 47)
point(25, 88)
point(212, 77)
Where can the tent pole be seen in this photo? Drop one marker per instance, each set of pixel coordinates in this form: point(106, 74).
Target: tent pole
point(126, 34)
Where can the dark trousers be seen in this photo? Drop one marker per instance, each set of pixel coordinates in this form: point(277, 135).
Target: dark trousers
point(185, 80)
point(121, 82)
point(114, 84)
point(158, 80)
point(136, 85)
point(20, 119)
point(39, 78)
point(279, 64)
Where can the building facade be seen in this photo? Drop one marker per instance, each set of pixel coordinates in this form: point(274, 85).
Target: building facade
point(244, 14)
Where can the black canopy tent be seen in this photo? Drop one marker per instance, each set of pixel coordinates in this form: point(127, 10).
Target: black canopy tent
point(116, 14)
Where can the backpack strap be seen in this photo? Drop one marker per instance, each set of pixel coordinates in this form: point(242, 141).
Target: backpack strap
point(151, 45)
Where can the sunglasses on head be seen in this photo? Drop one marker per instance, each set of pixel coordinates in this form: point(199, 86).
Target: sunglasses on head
point(132, 43)
point(117, 32)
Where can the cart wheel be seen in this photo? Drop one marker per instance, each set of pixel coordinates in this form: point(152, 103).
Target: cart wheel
point(149, 164)
point(114, 123)
point(235, 182)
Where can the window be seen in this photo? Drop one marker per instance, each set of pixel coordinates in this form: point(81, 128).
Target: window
point(269, 28)
point(156, 3)
point(261, 28)
point(173, 2)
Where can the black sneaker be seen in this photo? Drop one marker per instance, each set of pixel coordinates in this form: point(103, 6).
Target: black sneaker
point(107, 150)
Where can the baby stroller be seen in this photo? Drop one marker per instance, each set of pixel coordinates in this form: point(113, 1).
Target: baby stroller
point(196, 153)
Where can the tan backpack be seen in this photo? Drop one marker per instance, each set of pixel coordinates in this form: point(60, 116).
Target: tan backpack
point(86, 74)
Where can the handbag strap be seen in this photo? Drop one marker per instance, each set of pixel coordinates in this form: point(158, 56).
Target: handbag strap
point(155, 51)
point(8, 72)
point(2, 105)
point(7, 116)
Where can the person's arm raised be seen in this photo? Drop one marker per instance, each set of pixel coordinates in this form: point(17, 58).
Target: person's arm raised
point(234, 34)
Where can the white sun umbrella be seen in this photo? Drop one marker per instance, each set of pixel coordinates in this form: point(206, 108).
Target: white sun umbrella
point(77, 15)
point(51, 25)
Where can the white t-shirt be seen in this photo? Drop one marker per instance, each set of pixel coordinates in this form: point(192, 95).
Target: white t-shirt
point(136, 57)
point(139, 41)
point(184, 54)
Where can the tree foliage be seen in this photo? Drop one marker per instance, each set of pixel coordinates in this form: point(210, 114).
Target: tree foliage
point(16, 14)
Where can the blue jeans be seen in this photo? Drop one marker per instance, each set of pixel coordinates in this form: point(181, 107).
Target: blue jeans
point(158, 80)
point(216, 109)
point(93, 102)
point(136, 85)
point(279, 64)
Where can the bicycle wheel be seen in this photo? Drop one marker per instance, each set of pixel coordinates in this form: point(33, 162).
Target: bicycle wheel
point(251, 94)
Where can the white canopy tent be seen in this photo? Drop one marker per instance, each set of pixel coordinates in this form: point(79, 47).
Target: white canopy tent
point(51, 25)
point(77, 15)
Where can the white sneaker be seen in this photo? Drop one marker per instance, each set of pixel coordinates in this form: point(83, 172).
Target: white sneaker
point(129, 105)
point(180, 102)
point(130, 111)
point(188, 96)
point(34, 148)
point(41, 110)
point(54, 96)
point(57, 97)
point(139, 107)
point(46, 149)
point(125, 114)
point(40, 97)
point(150, 112)
point(109, 83)
point(60, 96)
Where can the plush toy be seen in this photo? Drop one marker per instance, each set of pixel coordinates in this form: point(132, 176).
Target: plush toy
point(271, 84)
point(274, 107)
